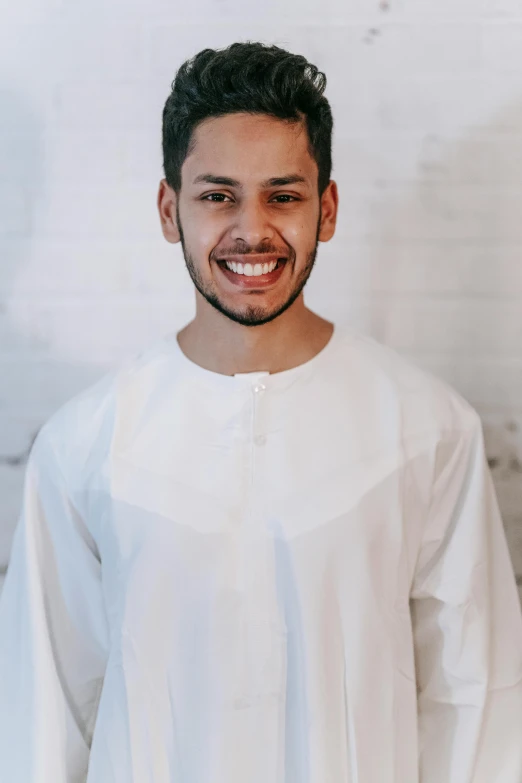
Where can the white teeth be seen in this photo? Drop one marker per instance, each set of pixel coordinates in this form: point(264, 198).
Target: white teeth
point(249, 270)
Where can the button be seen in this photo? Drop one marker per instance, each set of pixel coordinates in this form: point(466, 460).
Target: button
point(260, 387)
point(260, 440)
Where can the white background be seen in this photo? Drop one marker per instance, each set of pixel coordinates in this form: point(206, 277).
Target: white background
point(427, 103)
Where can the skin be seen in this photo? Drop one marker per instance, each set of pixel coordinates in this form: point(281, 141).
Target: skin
point(237, 330)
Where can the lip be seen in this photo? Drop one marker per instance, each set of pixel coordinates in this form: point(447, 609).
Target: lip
point(251, 283)
point(251, 259)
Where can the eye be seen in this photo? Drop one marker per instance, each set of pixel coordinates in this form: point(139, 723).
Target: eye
point(286, 195)
point(208, 197)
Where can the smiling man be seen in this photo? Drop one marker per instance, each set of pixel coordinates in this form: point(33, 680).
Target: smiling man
point(267, 549)
point(253, 206)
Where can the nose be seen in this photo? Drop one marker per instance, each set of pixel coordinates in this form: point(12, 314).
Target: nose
point(251, 225)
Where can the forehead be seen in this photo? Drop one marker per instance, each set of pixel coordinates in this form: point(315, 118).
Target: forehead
point(249, 147)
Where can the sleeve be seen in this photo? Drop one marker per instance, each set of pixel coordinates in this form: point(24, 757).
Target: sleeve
point(53, 633)
point(467, 626)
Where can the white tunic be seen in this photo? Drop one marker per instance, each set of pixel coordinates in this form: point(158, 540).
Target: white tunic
point(299, 577)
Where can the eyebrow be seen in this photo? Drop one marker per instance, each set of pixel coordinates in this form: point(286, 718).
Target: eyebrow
point(290, 179)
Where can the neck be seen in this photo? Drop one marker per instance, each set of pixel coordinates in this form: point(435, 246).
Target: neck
point(273, 347)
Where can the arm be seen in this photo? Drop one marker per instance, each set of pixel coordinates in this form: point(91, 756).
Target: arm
point(467, 626)
point(53, 633)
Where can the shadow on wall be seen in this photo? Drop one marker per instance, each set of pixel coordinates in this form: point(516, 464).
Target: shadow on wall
point(24, 356)
point(450, 257)
point(22, 195)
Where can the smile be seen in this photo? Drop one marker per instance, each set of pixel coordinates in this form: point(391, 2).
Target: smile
point(253, 270)
point(247, 275)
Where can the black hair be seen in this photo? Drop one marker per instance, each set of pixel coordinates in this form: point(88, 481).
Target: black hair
point(247, 77)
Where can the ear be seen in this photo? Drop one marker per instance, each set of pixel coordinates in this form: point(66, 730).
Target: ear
point(329, 205)
point(167, 201)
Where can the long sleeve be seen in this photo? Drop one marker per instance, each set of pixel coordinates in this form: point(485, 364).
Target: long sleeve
point(53, 633)
point(467, 626)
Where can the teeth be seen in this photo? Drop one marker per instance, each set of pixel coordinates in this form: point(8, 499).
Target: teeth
point(249, 270)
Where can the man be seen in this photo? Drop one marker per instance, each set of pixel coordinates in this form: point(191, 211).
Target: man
point(267, 549)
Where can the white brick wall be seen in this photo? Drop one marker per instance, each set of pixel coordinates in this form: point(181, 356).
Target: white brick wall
point(427, 102)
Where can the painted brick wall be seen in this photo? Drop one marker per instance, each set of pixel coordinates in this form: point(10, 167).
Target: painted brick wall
point(427, 98)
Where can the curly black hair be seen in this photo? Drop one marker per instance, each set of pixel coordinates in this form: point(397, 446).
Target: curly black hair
point(247, 77)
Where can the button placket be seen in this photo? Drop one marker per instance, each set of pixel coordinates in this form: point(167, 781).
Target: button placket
point(259, 388)
point(248, 545)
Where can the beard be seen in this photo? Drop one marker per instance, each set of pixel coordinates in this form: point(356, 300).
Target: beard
point(250, 314)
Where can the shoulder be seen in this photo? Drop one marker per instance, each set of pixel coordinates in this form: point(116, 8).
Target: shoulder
point(80, 431)
point(395, 386)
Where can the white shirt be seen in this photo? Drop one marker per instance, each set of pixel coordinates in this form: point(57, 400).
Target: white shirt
point(299, 577)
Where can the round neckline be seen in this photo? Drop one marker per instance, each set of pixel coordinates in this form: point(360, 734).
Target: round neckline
point(239, 380)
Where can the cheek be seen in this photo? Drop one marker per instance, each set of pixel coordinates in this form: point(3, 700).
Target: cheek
point(301, 225)
point(300, 233)
point(203, 239)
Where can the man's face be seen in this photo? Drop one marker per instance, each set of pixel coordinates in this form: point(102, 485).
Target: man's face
point(247, 216)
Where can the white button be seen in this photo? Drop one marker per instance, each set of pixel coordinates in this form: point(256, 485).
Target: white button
point(260, 440)
point(260, 387)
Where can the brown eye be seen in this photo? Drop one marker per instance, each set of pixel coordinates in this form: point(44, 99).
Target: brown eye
point(286, 195)
point(208, 197)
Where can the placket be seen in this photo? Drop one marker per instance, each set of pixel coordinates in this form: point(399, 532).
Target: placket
point(263, 663)
point(256, 446)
